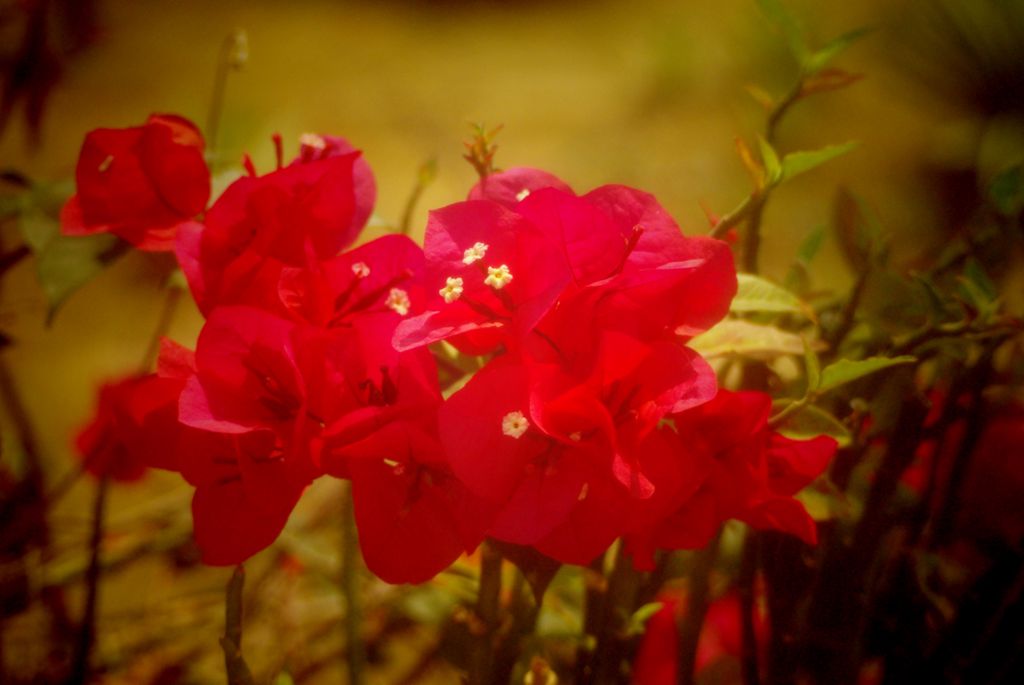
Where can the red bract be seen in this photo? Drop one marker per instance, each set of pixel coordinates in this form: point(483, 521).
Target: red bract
point(292, 217)
point(563, 452)
point(374, 285)
point(126, 435)
point(499, 266)
point(752, 475)
point(139, 183)
point(245, 488)
point(414, 517)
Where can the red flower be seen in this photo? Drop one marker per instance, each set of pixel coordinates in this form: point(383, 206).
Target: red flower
point(414, 517)
point(139, 183)
point(245, 488)
point(295, 216)
point(752, 475)
point(498, 268)
point(125, 437)
point(563, 453)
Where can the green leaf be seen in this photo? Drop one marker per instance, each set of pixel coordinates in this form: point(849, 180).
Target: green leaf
point(756, 294)
point(748, 339)
point(811, 245)
point(810, 422)
point(819, 59)
point(37, 228)
point(638, 621)
point(787, 23)
point(976, 274)
point(848, 370)
point(66, 263)
point(770, 159)
point(1007, 190)
point(796, 163)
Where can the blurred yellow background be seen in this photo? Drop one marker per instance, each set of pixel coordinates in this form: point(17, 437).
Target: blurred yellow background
point(649, 94)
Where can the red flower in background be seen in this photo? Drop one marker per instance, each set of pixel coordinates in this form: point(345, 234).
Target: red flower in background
point(124, 438)
point(721, 638)
point(139, 183)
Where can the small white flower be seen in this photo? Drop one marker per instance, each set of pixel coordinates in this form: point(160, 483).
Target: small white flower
point(498, 276)
point(398, 301)
point(452, 289)
point(360, 270)
point(576, 437)
point(522, 194)
point(514, 424)
point(474, 253)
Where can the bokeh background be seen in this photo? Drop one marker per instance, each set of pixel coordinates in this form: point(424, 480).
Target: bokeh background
point(650, 94)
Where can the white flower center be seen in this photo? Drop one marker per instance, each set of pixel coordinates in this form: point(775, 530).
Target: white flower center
point(313, 140)
point(398, 301)
point(514, 424)
point(360, 270)
point(474, 253)
point(522, 194)
point(452, 289)
point(498, 276)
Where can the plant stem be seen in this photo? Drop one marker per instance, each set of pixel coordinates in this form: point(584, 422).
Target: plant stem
point(234, 663)
point(745, 583)
point(487, 606)
point(163, 324)
point(80, 667)
point(232, 55)
point(697, 606)
point(623, 585)
point(350, 567)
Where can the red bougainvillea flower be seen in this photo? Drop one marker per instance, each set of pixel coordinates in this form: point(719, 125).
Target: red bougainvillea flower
point(753, 473)
point(295, 216)
point(125, 436)
point(498, 268)
point(414, 517)
point(139, 183)
point(245, 488)
point(721, 638)
point(374, 285)
point(563, 457)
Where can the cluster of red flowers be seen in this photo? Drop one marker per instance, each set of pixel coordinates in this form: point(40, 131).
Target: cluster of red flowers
point(591, 420)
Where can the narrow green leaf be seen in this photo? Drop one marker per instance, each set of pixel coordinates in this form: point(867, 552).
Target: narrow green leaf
point(819, 59)
point(638, 621)
point(976, 274)
point(770, 159)
point(848, 370)
point(749, 339)
point(812, 421)
point(66, 263)
point(787, 23)
point(812, 365)
point(796, 163)
point(756, 294)
point(811, 245)
point(1007, 190)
